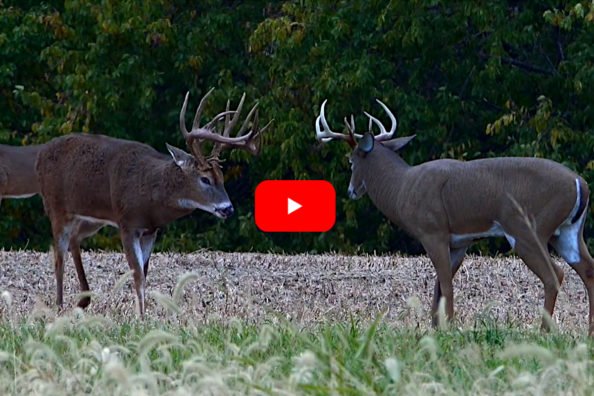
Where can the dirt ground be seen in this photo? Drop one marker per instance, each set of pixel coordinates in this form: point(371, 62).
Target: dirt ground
point(304, 289)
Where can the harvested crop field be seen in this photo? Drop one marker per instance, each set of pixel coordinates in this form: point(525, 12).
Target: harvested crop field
point(303, 289)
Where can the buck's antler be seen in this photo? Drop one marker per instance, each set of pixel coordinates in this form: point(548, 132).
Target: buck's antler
point(252, 143)
point(325, 134)
point(198, 134)
point(384, 135)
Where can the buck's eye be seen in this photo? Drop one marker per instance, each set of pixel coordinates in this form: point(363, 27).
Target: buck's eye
point(205, 180)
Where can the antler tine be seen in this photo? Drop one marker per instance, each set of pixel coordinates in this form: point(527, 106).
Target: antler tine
point(262, 130)
point(247, 120)
point(205, 133)
point(392, 117)
point(384, 134)
point(259, 134)
point(227, 119)
point(319, 133)
point(182, 117)
point(217, 118)
point(216, 148)
point(377, 122)
point(351, 127)
point(196, 123)
point(324, 133)
point(253, 145)
point(230, 125)
point(224, 114)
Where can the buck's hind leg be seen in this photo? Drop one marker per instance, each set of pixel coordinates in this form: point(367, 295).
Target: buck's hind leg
point(570, 245)
point(583, 264)
point(532, 249)
point(82, 230)
point(456, 259)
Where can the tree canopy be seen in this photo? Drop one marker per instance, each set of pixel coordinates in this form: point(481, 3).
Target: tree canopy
point(471, 79)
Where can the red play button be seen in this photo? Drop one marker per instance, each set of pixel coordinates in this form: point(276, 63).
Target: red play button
point(295, 206)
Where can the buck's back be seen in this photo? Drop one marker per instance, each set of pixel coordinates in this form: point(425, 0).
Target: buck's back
point(76, 172)
point(485, 189)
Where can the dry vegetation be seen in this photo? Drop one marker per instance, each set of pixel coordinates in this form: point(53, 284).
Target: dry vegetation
point(224, 324)
point(304, 289)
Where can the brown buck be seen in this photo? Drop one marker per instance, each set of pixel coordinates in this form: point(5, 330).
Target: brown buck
point(89, 181)
point(447, 205)
point(17, 171)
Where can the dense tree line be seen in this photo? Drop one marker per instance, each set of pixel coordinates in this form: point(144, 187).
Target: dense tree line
point(471, 79)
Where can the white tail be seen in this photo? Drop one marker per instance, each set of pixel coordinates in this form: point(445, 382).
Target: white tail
point(447, 205)
point(89, 181)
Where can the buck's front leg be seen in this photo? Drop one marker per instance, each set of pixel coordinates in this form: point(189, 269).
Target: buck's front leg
point(134, 255)
point(61, 232)
point(456, 258)
point(438, 250)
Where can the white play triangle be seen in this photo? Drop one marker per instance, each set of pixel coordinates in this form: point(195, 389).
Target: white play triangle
point(292, 206)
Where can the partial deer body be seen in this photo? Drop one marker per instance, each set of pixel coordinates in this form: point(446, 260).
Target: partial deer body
point(18, 179)
point(17, 171)
point(89, 181)
point(447, 205)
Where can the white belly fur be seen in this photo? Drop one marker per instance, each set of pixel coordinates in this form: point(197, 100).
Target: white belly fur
point(461, 240)
point(96, 220)
point(19, 196)
point(566, 243)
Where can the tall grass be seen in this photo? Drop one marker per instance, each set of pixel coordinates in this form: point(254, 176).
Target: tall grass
point(78, 354)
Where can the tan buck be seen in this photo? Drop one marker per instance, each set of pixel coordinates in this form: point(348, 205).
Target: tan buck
point(447, 205)
point(89, 181)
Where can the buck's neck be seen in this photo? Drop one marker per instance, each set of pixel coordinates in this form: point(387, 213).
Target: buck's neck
point(384, 179)
point(172, 186)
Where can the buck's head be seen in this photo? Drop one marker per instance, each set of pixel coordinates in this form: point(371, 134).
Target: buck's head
point(365, 147)
point(205, 181)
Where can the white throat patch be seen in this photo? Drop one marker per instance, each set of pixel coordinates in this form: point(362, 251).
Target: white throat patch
point(184, 203)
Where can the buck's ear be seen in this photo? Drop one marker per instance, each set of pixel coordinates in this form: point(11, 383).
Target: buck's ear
point(180, 157)
point(398, 143)
point(365, 144)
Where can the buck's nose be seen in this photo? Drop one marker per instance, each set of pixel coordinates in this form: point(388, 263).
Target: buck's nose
point(351, 193)
point(227, 211)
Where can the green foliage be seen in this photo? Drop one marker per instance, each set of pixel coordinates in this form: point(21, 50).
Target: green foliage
point(471, 79)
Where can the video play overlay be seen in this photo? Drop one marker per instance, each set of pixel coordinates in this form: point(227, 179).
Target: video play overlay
point(295, 206)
